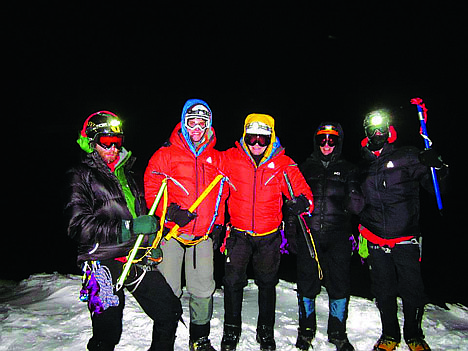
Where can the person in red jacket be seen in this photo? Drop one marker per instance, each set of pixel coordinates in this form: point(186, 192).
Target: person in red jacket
point(190, 163)
point(256, 168)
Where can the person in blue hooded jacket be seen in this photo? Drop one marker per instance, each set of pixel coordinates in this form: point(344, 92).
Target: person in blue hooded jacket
point(191, 163)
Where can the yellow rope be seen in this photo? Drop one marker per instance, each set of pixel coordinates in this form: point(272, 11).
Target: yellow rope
point(319, 268)
point(173, 233)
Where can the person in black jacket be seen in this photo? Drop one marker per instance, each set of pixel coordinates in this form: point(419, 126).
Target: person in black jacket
point(391, 179)
point(105, 212)
point(335, 186)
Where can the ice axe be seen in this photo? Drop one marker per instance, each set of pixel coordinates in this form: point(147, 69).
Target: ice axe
point(139, 240)
point(422, 113)
point(193, 207)
point(305, 231)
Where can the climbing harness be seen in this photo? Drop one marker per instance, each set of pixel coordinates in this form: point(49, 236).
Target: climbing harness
point(173, 233)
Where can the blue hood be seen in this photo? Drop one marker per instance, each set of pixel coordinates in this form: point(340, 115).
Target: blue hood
point(208, 134)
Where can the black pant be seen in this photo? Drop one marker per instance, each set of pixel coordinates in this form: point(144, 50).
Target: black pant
point(265, 255)
point(334, 254)
point(393, 273)
point(155, 297)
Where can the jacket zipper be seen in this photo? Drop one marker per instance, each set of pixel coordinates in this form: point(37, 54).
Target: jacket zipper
point(196, 192)
point(254, 196)
point(377, 186)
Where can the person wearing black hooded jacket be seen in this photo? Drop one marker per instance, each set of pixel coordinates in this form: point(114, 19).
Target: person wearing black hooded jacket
point(105, 211)
point(390, 180)
point(335, 186)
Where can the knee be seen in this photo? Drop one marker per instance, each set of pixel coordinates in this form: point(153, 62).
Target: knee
point(201, 309)
point(234, 280)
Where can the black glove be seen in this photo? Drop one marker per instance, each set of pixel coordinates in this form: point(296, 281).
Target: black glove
point(216, 236)
point(179, 216)
point(354, 202)
point(298, 205)
point(431, 158)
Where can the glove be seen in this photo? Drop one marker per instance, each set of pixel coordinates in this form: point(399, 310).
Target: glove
point(141, 225)
point(298, 205)
point(216, 236)
point(179, 216)
point(145, 225)
point(431, 158)
point(354, 202)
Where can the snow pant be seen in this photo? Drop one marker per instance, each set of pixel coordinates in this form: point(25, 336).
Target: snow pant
point(396, 272)
point(334, 255)
point(155, 298)
point(265, 254)
point(199, 276)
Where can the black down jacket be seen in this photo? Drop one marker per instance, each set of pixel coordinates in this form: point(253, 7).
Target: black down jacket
point(390, 184)
point(332, 181)
point(95, 206)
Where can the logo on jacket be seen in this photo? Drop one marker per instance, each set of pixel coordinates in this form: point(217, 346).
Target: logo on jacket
point(271, 165)
point(337, 173)
point(390, 164)
point(209, 160)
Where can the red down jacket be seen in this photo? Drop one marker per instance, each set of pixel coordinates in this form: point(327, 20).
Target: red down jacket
point(255, 204)
point(194, 173)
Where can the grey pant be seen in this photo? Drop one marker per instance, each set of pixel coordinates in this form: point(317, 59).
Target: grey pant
point(198, 261)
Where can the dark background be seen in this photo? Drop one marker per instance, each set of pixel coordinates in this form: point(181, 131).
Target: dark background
point(301, 63)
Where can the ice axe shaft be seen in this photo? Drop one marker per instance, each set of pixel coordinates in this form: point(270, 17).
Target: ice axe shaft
point(422, 114)
point(308, 237)
point(139, 240)
point(193, 207)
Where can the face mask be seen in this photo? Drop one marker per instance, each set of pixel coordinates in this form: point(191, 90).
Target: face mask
point(377, 141)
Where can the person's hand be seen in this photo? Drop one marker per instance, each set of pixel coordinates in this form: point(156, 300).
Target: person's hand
point(179, 216)
point(140, 225)
point(216, 236)
point(298, 205)
point(431, 158)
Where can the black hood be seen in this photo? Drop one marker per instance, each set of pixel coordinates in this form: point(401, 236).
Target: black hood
point(337, 151)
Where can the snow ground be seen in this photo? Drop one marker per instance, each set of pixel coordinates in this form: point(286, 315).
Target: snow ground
point(44, 313)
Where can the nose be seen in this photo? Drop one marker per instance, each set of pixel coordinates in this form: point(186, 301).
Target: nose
point(113, 148)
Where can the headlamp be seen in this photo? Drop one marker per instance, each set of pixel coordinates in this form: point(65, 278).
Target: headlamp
point(376, 121)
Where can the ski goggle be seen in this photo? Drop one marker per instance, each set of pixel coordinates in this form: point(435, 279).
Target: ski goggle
point(372, 130)
point(107, 141)
point(323, 139)
point(262, 140)
point(192, 123)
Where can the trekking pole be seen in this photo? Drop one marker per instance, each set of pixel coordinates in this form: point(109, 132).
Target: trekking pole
point(305, 230)
point(422, 113)
point(193, 207)
point(139, 240)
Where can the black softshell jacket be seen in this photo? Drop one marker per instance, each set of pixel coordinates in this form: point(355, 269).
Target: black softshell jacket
point(95, 207)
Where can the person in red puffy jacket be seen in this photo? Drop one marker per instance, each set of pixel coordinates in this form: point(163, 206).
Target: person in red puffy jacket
point(190, 163)
point(256, 168)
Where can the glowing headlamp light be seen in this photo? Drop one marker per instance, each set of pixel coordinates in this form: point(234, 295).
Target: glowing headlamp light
point(376, 121)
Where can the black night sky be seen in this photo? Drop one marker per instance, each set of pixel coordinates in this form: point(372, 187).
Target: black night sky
point(300, 63)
